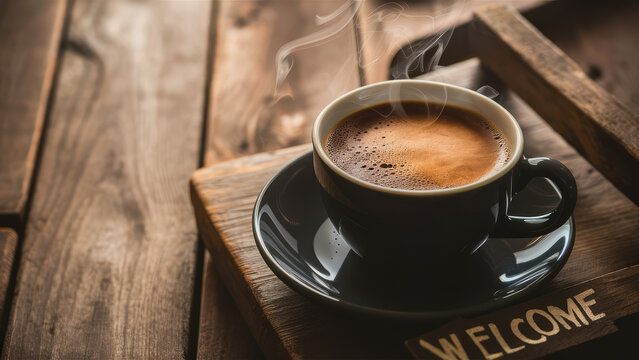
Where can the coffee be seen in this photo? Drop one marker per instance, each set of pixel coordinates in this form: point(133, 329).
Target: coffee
point(417, 146)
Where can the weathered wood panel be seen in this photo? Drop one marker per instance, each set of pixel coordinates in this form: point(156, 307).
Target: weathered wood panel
point(602, 128)
point(289, 325)
point(599, 37)
point(29, 40)
point(235, 284)
point(8, 243)
point(243, 117)
point(386, 27)
point(107, 263)
point(223, 333)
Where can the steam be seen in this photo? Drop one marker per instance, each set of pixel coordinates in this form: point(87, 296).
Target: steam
point(489, 92)
point(335, 22)
point(396, 24)
point(380, 33)
point(419, 59)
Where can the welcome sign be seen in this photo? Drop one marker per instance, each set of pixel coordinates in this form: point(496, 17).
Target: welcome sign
point(537, 327)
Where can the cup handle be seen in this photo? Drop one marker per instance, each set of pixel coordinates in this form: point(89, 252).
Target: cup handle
point(529, 226)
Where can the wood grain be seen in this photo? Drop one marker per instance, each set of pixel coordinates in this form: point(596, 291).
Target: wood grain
point(600, 39)
point(244, 119)
point(223, 334)
point(595, 122)
point(389, 29)
point(8, 243)
point(107, 263)
point(29, 40)
point(287, 324)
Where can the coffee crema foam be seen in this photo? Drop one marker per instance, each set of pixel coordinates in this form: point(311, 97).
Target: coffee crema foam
point(417, 146)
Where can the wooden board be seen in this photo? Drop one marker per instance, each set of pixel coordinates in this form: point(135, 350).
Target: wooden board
point(29, 40)
point(261, 28)
point(8, 243)
point(600, 126)
point(107, 265)
point(385, 27)
point(287, 324)
point(600, 38)
point(243, 120)
point(222, 334)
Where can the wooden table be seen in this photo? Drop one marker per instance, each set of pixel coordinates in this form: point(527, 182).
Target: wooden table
point(107, 107)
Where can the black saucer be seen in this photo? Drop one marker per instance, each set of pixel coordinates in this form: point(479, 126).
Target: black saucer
point(304, 250)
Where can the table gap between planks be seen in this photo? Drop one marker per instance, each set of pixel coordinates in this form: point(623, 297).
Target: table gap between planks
point(28, 54)
point(30, 33)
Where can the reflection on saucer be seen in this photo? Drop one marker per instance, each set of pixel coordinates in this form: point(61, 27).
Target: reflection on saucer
point(304, 249)
point(331, 250)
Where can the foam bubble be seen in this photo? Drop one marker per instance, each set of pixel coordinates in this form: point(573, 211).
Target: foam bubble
point(415, 152)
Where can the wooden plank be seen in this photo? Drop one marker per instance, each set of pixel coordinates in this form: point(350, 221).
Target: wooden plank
point(8, 243)
point(287, 324)
point(223, 334)
point(263, 162)
point(243, 120)
point(595, 122)
point(389, 30)
point(600, 39)
point(29, 40)
point(107, 263)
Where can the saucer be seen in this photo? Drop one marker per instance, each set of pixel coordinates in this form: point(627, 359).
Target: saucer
point(301, 246)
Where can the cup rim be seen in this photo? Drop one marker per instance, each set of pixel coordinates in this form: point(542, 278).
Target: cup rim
point(515, 155)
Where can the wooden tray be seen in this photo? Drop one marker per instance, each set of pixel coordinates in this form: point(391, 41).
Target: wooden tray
point(584, 108)
point(287, 324)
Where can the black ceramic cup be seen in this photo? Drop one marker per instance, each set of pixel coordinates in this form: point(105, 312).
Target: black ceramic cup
point(410, 228)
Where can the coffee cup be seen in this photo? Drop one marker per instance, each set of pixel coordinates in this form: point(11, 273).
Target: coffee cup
point(410, 228)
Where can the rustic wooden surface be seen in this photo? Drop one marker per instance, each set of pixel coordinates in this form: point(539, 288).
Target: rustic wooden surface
point(108, 260)
point(109, 265)
point(600, 39)
point(8, 244)
point(29, 38)
point(243, 117)
point(598, 124)
point(285, 323)
point(223, 334)
point(385, 27)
